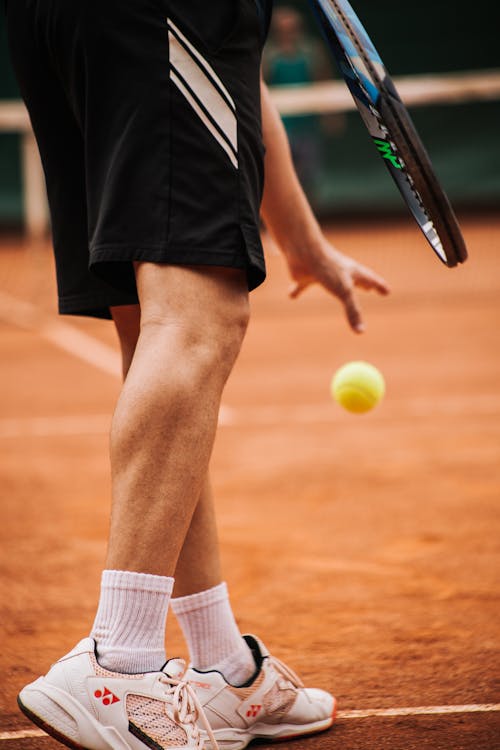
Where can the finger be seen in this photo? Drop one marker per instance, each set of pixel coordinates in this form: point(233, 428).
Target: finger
point(296, 289)
point(353, 314)
point(367, 279)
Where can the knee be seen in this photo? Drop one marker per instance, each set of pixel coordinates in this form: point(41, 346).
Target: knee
point(215, 342)
point(193, 318)
point(199, 346)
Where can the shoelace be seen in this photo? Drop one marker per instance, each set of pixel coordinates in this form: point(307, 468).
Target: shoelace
point(187, 709)
point(287, 673)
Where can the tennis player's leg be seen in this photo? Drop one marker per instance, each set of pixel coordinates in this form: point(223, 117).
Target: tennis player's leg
point(216, 646)
point(127, 320)
point(198, 566)
point(192, 324)
point(110, 688)
point(213, 636)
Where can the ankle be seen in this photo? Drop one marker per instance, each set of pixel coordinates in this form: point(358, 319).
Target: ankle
point(129, 629)
point(238, 667)
point(213, 637)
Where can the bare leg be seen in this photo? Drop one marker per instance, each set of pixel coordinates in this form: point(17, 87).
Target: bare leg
point(198, 566)
point(211, 632)
point(192, 325)
point(127, 320)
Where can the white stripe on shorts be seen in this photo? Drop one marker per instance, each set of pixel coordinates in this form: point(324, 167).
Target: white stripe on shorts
point(205, 120)
point(208, 68)
point(204, 91)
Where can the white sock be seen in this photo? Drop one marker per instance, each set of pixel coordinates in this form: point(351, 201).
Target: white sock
point(212, 635)
point(129, 627)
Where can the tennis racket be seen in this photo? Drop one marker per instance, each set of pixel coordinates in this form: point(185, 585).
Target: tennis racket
point(391, 128)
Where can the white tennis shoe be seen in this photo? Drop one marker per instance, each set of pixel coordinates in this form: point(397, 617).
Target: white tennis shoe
point(87, 707)
point(274, 706)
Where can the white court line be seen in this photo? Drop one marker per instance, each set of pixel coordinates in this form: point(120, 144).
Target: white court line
point(483, 404)
point(265, 416)
point(106, 359)
point(92, 424)
point(470, 708)
point(64, 336)
point(83, 346)
point(64, 426)
point(22, 734)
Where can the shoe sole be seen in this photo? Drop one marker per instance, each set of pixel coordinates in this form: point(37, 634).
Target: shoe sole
point(56, 711)
point(228, 742)
point(47, 728)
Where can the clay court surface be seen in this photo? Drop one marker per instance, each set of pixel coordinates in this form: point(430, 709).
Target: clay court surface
point(364, 550)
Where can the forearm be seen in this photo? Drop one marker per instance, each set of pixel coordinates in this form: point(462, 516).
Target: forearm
point(285, 208)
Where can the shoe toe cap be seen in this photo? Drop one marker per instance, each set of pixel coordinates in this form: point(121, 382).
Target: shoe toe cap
point(311, 705)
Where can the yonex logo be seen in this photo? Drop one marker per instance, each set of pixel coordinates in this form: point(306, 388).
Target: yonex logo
point(253, 710)
point(386, 152)
point(106, 696)
point(202, 685)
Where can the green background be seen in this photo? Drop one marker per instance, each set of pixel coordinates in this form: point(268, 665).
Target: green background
point(413, 38)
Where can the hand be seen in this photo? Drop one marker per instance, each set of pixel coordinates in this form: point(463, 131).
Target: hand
point(338, 274)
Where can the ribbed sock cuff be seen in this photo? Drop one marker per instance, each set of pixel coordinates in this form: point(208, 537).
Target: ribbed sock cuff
point(212, 635)
point(181, 605)
point(129, 581)
point(129, 628)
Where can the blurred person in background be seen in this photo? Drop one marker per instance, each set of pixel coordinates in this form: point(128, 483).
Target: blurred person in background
point(293, 57)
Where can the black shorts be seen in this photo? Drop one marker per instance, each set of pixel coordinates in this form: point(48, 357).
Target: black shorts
point(147, 117)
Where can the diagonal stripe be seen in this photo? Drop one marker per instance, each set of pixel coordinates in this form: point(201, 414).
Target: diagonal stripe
point(204, 88)
point(186, 86)
point(203, 117)
point(201, 60)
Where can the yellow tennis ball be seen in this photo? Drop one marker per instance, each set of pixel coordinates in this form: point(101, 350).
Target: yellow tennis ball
point(358, 386)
